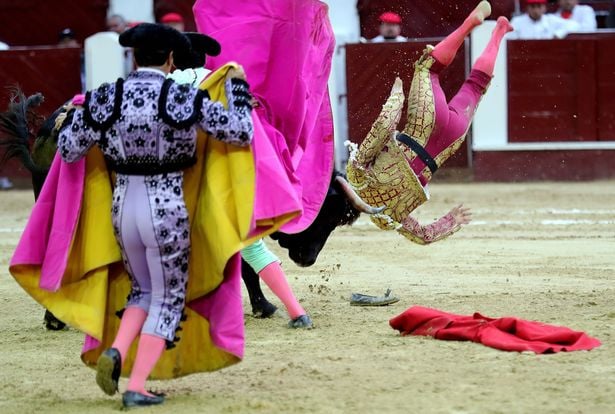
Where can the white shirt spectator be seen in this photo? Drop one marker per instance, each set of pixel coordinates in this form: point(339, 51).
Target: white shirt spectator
point(4, 46)
point(382, 39)
point(585, 16)
point(548, 27)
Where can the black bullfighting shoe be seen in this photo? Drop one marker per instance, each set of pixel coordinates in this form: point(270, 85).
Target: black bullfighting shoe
point(359, 299)
point(108, 370)
point(301, 322)
point(132, 399)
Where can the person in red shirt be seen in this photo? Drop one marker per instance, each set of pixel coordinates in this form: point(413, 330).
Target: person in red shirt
point(390, 28)
point(174, 20)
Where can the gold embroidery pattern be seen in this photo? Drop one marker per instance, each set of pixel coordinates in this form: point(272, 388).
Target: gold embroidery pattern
point(421, 104)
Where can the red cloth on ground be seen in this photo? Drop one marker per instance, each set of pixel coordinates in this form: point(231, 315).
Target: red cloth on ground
point(506, 334)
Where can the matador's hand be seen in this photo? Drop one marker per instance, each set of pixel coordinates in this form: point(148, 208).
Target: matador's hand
point(62, 116)
point(461, 215)
point(236, 73)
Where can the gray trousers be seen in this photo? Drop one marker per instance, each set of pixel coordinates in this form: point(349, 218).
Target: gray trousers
point(152, 227)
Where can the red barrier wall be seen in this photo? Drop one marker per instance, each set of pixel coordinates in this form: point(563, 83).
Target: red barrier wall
point(55, 72)
point(38, 22)
point(562, 90)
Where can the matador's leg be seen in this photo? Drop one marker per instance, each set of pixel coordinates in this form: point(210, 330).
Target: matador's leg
point(427, 106)
point(383, 127)
point(446, 50)
point(165, 230)
point(462, 107)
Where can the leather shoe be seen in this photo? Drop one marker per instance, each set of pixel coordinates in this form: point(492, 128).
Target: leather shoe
point(359, 299)
point(301, 322)
point(108, 370)
point(132, 399)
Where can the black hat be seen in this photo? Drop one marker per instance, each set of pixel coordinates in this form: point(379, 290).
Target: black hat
point(200, 45)
point(152, 36)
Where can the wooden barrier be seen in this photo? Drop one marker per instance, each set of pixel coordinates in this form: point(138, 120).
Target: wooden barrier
point(55, 72)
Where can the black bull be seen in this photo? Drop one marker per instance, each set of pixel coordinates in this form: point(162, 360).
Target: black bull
point(341, 205)
point(303, 248)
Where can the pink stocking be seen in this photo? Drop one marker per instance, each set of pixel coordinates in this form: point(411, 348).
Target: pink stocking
point(130, 327)
point(446, 50)
point(486, 62)
point(150, 349)
point(274, 277)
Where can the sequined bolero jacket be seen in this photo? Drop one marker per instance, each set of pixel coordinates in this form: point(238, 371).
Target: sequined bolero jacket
point(148, 124)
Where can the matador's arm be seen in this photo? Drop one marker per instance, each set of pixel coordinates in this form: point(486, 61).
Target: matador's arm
point(383, 127)
point(440, 229)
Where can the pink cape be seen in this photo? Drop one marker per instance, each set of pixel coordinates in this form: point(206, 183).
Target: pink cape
point(47, 238)
point(285, 48)
point(506, 334)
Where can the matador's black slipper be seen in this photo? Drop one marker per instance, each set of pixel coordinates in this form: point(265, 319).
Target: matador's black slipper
point(108, 370)
point(359, 299)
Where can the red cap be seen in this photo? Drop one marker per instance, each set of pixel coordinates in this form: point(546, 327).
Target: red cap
point(535, 1)
point(172, 18)
point(390, 17)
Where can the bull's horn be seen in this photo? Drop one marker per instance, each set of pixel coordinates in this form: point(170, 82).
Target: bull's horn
point(355, 200)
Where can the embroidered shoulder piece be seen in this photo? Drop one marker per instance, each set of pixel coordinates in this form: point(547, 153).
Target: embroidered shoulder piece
point(180, 104)
point(102, 106)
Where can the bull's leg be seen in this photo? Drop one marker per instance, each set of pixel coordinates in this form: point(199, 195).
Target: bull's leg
point(261, 307)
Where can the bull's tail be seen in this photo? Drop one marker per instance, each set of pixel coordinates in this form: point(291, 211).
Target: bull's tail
point(16, 125)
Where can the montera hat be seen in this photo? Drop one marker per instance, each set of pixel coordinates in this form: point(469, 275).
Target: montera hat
point(200, 46)
point(155, 37)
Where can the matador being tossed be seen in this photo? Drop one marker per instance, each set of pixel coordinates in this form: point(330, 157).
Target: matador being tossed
point(392, 168)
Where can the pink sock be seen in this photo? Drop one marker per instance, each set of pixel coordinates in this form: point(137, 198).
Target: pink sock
point(274, 277)
point(486, 62)
point(130, 326)
point(150, 349)
point(446, 50)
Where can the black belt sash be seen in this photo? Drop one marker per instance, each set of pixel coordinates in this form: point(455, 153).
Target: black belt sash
point(419, 150)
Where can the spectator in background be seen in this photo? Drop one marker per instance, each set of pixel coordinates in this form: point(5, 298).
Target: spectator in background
point(610, 20)
point(536, 24)
point(583, 15)
point(390, 28)
point(3, 46)
point(66, 38)
point(116, 23)
point(174, 20)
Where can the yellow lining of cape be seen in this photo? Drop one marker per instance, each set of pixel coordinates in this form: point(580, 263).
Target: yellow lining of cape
point(219, 194)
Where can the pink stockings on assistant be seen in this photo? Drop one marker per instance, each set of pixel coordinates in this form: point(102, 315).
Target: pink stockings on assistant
point(274, 277)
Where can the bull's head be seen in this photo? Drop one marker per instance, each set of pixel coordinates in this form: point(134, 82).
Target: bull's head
point(342, 206)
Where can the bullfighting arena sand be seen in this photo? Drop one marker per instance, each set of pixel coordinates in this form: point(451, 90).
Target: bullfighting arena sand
point(537, 251)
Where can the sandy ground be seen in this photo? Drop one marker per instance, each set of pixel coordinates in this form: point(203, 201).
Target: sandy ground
point(537, 251)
